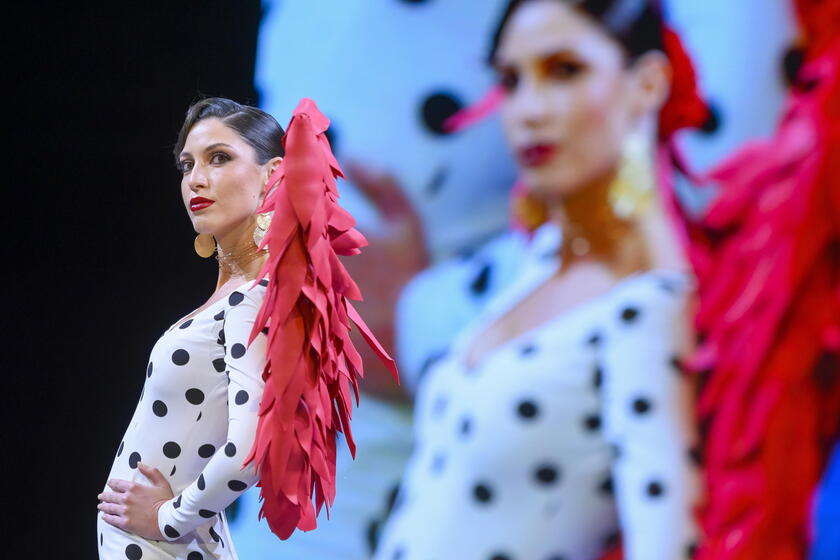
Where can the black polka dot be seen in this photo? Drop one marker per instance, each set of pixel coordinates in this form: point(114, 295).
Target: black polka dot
point(597, 377)
point(264, 330)
point(133, 459)
point(200, 482)
point(606, 487)
point(101, 537)
point(180, 357)
point(713, 118)
point(481, 282)
point(177, 503)
point(264, 282)
point(594, 339)
point(642, 405)
point(500, 556)
point(133, 552)
point(120, 448)
point(238, 350)
point(197, 418)
point(206, 513)
point(438, 107)
point(629, 314)
point(482, 493)
point(237, 485)
point(206, 451)
point(219, 316)
point(527, 410)
point(691, 551)
point(219, 364)
point(194, 396)
point(221, 340)
point(149, 369)
point(186, 324)
point(612, 540)
point(465, 427)
point(546, 475)
point(172, 472)
point(195, 556)
point(655, 489)
point(528, 349)
point(236, 298)
point(214, 534)
point(170, 532)
point(241, 397)
point(230, 449)
point(159, 408)
point(592, 422)
point(171, 449)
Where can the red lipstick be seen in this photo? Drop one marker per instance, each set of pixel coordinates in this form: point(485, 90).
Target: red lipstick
point(200, 203)
point(536, 154)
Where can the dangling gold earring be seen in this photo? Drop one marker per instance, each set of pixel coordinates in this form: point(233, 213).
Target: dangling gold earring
point(632, 191)
point(263, 222)
point(205, 245)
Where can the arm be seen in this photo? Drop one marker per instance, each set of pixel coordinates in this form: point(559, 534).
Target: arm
point(649, 418)
point(223, 480)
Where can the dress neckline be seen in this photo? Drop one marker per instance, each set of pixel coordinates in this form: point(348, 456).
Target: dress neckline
point(200, 310)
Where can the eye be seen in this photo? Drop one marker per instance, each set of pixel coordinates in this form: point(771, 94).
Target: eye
point(185, 166)
point(508, 79)
point(218, 158)
point(563, 68)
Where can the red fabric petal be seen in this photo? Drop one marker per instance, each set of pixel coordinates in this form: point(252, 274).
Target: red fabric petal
point(311, 360)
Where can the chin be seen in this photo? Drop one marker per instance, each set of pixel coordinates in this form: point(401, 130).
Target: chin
point(549, 185)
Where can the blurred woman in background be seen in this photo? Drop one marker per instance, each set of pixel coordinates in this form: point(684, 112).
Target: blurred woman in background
point(560, 418)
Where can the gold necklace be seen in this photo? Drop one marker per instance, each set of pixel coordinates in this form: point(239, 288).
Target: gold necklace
point(233, 262)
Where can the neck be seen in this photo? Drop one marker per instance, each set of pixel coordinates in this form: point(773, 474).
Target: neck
point(237, 254)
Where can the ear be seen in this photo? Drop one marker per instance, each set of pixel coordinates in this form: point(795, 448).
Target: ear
point(651, 84)
point(268, 169)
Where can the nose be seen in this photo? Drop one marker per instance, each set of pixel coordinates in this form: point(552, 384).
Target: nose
point(196, 178)
point(530, 104)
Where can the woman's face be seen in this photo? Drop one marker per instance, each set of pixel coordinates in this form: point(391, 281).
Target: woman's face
point(570, 98)
point(222, 183)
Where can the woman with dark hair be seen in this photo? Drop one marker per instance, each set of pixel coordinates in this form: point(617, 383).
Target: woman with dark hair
point(241, 389)
point(560, 420)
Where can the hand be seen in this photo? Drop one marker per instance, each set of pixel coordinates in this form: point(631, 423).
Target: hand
point(134, 507)
point(392, 257)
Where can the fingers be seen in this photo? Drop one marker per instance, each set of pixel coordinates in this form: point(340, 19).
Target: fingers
point(112, 497)
point(153, 474)
point(120, 485)
point(382, 190)
point(114, 520)
point(111, 509)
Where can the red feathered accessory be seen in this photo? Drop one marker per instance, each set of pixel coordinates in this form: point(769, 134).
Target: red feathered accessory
point(767, 257)
point(311, 361)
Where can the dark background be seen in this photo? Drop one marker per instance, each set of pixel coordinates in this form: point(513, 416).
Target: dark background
point(102, 259)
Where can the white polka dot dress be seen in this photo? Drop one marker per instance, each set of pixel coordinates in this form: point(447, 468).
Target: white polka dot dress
point(196, 422)
point(560, 439)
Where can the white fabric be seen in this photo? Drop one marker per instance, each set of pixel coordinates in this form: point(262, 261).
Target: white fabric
point(196, 422)
point(515, 459)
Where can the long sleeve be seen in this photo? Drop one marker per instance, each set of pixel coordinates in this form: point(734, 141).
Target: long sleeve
point(648, 407)
point(222, 480)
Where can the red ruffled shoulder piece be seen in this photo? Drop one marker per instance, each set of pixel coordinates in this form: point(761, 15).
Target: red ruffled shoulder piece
point(768, 266)
point(311, 363)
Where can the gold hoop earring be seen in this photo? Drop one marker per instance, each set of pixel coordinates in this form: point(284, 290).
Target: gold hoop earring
point(205, 245)
point(263, 223)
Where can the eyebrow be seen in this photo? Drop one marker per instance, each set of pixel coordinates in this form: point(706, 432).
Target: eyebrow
point(208, 148)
